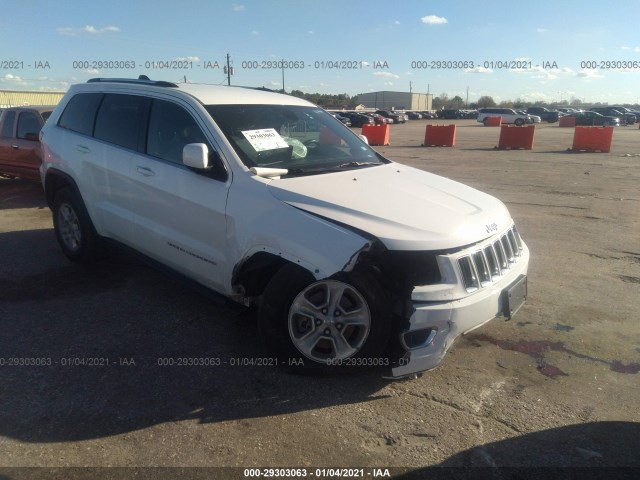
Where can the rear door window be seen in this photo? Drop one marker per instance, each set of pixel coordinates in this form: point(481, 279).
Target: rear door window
point(121, 120)
point(28, 126)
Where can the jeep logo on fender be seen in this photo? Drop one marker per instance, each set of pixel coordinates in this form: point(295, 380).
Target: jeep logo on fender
point(492, 227)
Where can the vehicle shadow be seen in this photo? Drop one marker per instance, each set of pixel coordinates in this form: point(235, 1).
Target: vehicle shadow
point(91, 352)
point(587, 451)
point(17, 193)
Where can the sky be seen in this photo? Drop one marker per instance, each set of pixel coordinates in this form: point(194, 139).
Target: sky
point(543, 50)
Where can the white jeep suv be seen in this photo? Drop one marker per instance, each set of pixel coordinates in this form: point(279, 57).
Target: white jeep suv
point(352, 259)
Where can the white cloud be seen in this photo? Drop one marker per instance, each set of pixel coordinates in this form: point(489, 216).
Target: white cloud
point(13, 79)
point(238, 7)
point(625, 48)
point(87, 29)
point(434, 20)
point(589, 74)
point(255, 33)
point(191, 58)
point(273, 83)
point(386, 74)
point(93, 71)
point(396, 22)
point(541, 30)
point(389, 84)
point(311, 32)
point(66, 31)
point(478, 70)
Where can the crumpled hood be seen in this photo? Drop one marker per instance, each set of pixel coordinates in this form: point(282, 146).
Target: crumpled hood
point(405, 208)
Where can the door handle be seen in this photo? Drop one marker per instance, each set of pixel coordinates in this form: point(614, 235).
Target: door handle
point(82, 149)
point(15, 147)
point(147, 172)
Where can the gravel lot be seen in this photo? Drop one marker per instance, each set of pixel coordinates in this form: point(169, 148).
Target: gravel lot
point(556, 386)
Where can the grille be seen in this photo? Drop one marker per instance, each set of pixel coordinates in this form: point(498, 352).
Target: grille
point(487, 262)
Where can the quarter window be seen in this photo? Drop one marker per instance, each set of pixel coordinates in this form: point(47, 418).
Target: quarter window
point(80, 113)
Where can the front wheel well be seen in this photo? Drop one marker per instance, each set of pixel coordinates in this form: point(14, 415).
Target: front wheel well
point(254, 273)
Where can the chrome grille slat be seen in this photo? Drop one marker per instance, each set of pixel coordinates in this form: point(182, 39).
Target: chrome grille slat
point(492, 260)
point(488, 262)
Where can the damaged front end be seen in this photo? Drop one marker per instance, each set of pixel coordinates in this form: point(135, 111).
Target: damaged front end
point(439, 295)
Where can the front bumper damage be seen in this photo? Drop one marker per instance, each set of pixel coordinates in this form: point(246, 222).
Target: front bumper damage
point(436, 325)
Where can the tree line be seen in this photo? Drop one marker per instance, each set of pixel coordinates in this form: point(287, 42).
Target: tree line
point(343, 100)
point(444, 101)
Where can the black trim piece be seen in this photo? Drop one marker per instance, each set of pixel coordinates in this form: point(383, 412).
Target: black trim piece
point(138, 81)
point(203, 290)
point(54, 172)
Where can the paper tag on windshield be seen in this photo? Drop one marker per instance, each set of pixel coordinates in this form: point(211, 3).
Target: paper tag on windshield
point(265, 139)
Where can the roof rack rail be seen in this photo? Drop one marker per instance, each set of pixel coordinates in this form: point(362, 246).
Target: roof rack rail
point(141, 80)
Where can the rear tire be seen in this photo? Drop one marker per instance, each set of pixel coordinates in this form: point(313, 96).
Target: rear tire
point(519, 122)
point(335, 324)
point(73, 227)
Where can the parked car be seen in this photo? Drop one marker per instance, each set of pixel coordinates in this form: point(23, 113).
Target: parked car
point(358, 119)
point(546, 115)
point(429, 115)
point(414, 116)
point(532, 118)
point(379, 119)
point(625, 118)
point(19, 144)
point(590, 118)
point(350, 258)
point(450, 113)
point(508, 116)
point(344, 119)
point(568, 110)
point(395, 117)
point(629, 114)
point(472, 114)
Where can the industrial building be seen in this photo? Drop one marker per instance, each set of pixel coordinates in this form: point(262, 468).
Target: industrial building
point(386, 100)
point(15, 98)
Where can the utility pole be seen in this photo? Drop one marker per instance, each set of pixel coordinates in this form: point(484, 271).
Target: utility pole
point(228, 71)
point(467, 102)
point(282, 76)
point(410, 87)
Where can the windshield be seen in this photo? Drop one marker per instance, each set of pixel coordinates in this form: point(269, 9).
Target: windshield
point(303, 140)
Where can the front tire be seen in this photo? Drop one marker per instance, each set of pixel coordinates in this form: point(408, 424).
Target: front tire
point(74, 230)
point(519, 122)
point(330, 324)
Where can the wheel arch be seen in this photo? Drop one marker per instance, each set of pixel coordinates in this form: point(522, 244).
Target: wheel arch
point(56, 180)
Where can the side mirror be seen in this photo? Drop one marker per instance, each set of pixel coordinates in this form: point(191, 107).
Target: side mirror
point(364, 139)
point(196, 155)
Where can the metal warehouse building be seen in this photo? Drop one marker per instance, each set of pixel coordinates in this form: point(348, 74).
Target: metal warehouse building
point(15, 98)
point(386, 100)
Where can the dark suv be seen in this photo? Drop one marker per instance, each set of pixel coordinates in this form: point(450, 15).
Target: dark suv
point(397, 118)
point(545, 115)
point(625, 118)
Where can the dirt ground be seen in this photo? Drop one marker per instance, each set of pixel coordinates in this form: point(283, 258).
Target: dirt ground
point(557, 386)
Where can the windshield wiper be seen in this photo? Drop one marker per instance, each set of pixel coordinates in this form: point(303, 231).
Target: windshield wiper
point(356, 164)
point(293, 172)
